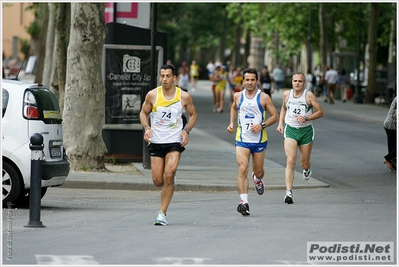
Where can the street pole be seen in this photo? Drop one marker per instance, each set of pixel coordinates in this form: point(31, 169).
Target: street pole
point(358, 98)
point(309, 37)
point(146, 153)
point(36, 146)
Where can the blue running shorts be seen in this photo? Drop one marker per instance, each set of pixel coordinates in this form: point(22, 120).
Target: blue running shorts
point(253, 147)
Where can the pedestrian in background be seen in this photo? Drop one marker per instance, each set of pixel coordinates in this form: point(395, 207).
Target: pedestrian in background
point(250, 107)
point(331, 78)
point(232, 74)
point(210, 67)
point(343, 84)
point(169, 62)
point(265, 81)
point(323, 86)
point(309, 81)
point(238, 82)
point(390, 129)
point(183, 79)
point(297, 115)
point(194, 74)
point(221, 82)
point(183, 65)
point(278, 77)
point(165, 134)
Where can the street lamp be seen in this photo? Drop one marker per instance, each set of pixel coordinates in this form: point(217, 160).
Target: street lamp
point(309, 36)
point(358, 98)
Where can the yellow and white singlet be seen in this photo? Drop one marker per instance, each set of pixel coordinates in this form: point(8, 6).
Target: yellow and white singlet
point(166, 118)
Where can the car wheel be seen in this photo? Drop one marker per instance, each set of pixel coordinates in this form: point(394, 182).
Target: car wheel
point(11, 184)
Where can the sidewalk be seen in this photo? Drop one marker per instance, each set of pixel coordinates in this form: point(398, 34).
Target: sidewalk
point(210, 165)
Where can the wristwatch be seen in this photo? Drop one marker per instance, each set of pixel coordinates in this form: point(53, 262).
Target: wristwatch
point(263, 125)
point(306, 118)
point(187, 130)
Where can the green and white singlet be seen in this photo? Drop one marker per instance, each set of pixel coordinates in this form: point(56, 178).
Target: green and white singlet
point(297, 106)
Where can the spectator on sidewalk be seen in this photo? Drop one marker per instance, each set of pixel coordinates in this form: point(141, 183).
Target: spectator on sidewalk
point(343, 84)
point(165, 134)
point(323, 86)
point(331, 79)
point(390, 129)
point(249, 109)
point(210, 67)
point(309, 81)
point(183, 79)
point(278, 77)
point(265, 81)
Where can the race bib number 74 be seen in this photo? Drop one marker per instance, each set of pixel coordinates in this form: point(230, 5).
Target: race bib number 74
point(166, 116)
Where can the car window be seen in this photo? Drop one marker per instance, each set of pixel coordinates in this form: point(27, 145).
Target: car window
point(47, 104)
point(4, 102)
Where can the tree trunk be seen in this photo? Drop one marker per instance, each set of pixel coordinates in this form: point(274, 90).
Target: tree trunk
point(63, 25)
point(392, 34)
point(49, 46)
point(84, 88)
point(372, 64)
point(323, 37)
point(246, 47)
point(42, 18)
point(54, 70)
point(223, 40)
point(236, 55)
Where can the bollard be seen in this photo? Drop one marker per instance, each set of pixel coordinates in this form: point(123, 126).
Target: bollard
point(36, 147)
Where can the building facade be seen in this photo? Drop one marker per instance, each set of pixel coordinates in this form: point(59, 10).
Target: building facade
point(15, 19)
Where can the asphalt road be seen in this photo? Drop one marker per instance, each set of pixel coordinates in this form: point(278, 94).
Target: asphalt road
point(111, 227)
point(346, 151)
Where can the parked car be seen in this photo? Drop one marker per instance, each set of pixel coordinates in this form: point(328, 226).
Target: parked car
point(27, 109)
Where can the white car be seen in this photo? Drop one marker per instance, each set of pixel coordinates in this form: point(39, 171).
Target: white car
point(28, 109)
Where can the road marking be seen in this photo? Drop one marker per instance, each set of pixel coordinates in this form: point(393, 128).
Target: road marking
point(65, 260)
point(180, 261)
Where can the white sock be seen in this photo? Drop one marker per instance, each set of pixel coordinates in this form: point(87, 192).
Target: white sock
point(288, 192)
point(244, 198)
point(256, 180)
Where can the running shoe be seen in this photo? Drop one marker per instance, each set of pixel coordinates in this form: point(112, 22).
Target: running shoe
point(243, 208)
point(161, 219)
point(306, 174)
point(260, 188)
point(289, 199)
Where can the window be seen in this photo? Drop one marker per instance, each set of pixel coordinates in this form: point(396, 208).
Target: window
point(4, 102)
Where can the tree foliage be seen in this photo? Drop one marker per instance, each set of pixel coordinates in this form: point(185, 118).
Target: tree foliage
point(191, 26)
point(199, 25)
